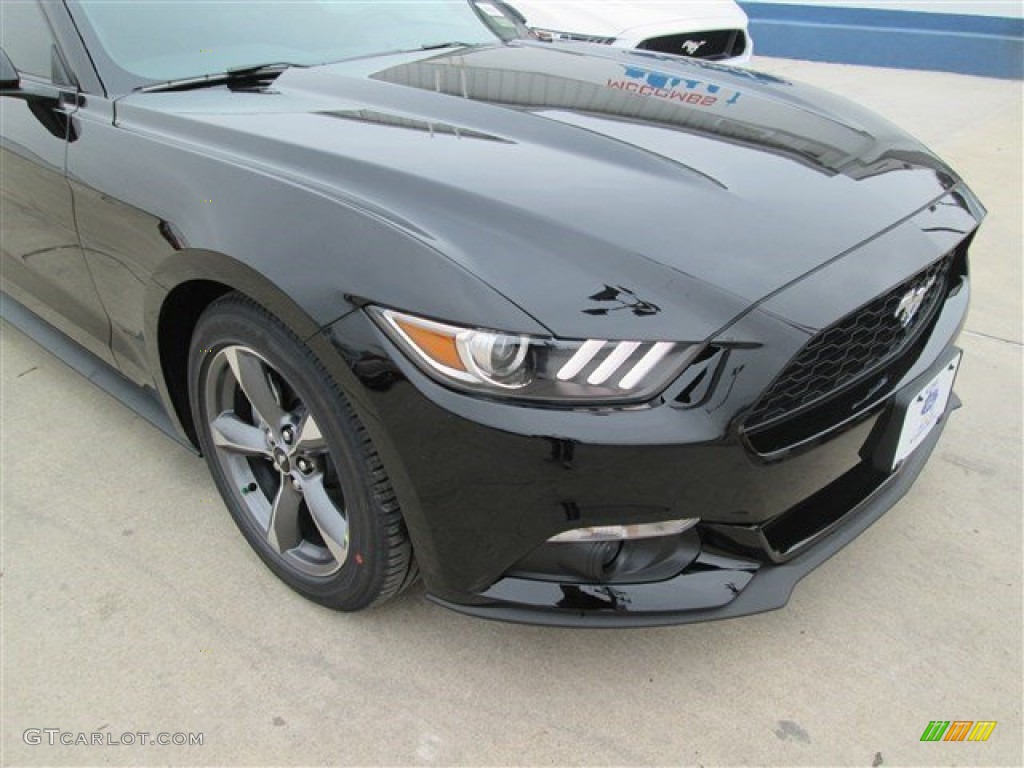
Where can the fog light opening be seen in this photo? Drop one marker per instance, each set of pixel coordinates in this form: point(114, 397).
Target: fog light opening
point(625, 532)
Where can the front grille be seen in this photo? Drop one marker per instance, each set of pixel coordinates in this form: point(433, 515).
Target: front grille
point(859, 344)
point(714, 44)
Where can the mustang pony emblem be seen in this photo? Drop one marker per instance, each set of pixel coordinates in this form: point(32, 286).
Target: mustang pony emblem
point(912, 301)
point(690, 47)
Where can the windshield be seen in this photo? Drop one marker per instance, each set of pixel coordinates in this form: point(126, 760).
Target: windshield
point(179, 39)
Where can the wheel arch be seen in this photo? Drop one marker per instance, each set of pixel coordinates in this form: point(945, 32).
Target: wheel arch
point(178, 295)
point(186, 285)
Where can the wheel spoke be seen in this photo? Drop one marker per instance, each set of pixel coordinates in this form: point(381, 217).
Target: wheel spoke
point(253, 377)
point(328, 518)
point(232, 434)
point(309, 438)
point(283, 532)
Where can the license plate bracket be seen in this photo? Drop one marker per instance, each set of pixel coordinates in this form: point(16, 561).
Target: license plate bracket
point(916, 411)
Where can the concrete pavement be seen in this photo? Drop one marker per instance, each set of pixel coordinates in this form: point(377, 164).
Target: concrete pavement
point(130, 602)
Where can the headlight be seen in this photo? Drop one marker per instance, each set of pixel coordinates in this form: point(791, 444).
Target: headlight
point(535, 368)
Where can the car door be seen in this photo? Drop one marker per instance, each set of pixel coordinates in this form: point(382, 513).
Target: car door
point(42, 262)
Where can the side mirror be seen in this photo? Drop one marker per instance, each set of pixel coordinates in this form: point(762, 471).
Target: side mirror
point(9, 79)
point(12, 85)
point(514, 13)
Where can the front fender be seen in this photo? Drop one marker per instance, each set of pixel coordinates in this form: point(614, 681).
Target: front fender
point(199, 276)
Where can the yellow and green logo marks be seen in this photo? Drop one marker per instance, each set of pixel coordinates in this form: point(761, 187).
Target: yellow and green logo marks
point(958, 730)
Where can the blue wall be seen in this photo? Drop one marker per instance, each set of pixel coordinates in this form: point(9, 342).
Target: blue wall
point(992, 46)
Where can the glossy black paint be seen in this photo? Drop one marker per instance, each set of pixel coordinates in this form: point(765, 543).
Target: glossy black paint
point(714, 587)
point(510, 477)
point(503, 187)
point(42, 259)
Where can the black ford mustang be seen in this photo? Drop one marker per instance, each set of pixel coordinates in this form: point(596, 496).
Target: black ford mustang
point(582, 336)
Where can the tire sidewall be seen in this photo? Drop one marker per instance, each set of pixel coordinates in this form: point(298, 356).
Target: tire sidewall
point(226, 323)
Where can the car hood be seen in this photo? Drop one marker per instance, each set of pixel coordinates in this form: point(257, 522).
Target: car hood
point(583, 185)
point(611, 18)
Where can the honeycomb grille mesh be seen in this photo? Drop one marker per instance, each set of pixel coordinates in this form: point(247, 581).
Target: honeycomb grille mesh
point(860, 343)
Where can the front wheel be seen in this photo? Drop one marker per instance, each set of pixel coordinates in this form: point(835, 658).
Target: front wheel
point(291, 459)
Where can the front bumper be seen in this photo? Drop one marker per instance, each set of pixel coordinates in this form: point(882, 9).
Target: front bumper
point(484, 484)
point(716, 585)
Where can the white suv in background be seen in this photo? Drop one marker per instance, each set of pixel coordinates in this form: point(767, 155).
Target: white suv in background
point(714, 30)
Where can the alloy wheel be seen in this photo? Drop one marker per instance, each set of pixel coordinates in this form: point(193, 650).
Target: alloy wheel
point(273, 452)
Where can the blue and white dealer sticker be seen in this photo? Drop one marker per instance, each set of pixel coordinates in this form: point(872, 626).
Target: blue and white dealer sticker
point(925, 410)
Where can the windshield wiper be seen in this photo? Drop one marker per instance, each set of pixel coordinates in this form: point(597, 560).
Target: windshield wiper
point(234, 77)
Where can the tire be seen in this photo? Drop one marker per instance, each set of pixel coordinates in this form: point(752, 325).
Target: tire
point(295, 466)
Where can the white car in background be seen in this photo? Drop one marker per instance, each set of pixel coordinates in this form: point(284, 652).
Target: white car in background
point(714, 30)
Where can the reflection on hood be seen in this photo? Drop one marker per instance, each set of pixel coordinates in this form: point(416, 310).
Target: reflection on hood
point(698, 98)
